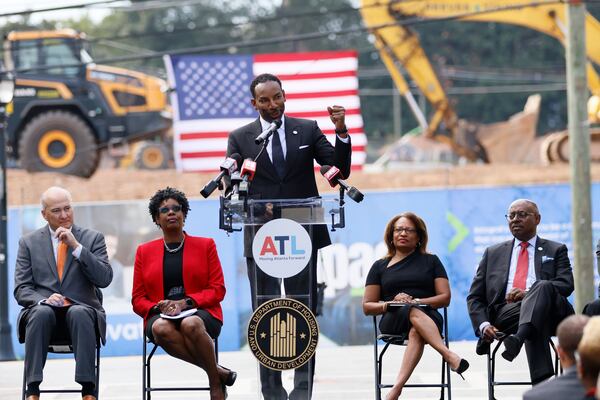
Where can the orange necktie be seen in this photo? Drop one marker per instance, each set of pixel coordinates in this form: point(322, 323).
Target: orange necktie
point(520, 280)
point(61, 257)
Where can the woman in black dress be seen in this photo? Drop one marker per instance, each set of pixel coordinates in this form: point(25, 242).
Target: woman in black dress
point(417, 279)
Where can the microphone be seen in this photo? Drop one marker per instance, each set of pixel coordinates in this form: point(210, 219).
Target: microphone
point(333, 175)
point(268, 132)
point(247, 173)
point(228, 167)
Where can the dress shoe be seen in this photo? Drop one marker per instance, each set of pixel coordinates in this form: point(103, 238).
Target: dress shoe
point(33, 397)
point(462, 367)
point(483, 347)
point(88, 397)
point(512, 347)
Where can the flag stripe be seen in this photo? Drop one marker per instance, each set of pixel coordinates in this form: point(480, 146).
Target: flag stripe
point(321, 75)
point(315, 55)
point(313, 114)
point(335, 93)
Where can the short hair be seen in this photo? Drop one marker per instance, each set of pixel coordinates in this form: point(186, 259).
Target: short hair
point(262, 78)
point(165, 194)
point(589, 349)
point(420, 226)
point(570, 331)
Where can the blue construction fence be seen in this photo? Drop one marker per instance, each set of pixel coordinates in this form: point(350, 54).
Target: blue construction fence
point(461, 222)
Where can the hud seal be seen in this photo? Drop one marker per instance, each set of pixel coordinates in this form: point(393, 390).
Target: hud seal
point(283, 334)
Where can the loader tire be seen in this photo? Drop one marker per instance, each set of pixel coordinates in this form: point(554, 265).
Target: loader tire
point(59, 141)
point(152, 156)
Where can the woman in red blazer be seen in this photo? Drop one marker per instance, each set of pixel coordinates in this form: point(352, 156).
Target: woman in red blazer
point(178, 287)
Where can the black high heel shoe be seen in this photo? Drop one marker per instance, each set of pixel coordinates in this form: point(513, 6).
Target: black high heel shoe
point(231, 376)
point(462, 367)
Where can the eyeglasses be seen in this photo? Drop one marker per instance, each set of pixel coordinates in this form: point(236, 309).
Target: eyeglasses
point(518, 214)
point(165, 210)
point(406, 230)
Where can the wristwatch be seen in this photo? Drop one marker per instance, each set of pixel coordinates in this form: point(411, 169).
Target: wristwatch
point(417, 300)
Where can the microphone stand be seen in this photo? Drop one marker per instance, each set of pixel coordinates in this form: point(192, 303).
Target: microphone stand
point(340, 211)
point(264, 146)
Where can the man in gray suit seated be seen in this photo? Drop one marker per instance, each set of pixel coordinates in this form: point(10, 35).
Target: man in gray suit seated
point(566, 386)
point(59, 270)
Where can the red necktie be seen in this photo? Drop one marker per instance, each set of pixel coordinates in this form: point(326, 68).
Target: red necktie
point(520, 280)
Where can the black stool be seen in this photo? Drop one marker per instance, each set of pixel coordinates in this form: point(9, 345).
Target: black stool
point(402, 340)
point(147, 388)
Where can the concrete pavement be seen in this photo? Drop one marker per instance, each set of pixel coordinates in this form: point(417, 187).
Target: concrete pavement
point(342, 373)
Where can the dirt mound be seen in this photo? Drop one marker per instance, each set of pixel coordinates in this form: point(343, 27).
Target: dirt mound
point(120, 184)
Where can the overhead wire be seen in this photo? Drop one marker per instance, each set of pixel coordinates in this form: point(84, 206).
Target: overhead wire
point(307, 36)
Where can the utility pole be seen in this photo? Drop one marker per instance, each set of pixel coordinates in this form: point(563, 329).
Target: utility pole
point(579, 158)
point(6, 94)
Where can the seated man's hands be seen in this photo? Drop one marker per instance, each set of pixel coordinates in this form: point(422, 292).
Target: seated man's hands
point(489, 333)
point(56, 299)
point(515, 295)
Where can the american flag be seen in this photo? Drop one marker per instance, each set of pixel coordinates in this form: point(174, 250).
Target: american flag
point(212, 98)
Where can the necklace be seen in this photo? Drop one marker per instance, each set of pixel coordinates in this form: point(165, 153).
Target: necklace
point(175, 250)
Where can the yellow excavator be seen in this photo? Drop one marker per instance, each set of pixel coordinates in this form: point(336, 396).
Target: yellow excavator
point(399, 44)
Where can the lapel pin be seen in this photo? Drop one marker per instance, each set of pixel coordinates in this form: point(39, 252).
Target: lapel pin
point(294, 132)
point(540, 249)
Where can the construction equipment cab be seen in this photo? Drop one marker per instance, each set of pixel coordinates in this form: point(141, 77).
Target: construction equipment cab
point(66, 108)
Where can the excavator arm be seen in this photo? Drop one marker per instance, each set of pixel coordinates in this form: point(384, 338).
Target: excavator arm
point(398, 44)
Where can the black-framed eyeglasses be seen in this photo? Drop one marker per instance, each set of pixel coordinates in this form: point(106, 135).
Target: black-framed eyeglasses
point(401, 229)
point(518, 214)
point(165, 210)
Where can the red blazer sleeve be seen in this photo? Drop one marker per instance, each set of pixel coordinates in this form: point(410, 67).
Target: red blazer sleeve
point(139, 298)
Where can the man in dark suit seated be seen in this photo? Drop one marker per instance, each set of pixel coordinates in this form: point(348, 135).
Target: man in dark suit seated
point(588, 360)
point(567, 385)
point(593, 308)
point(59, 270)
point(286, 171)
point(521, 288)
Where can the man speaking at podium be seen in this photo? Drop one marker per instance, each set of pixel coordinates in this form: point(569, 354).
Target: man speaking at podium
point(286, 171)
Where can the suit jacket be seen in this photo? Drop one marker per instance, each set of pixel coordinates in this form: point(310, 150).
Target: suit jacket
point(566, 386)
point(202, 276)
point(36, 276)
point(304, 143)
point(488, 290)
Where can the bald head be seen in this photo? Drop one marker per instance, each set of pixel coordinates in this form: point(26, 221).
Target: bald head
point(54, 193)
point(530, 204)
point(56, 207)
point(569, 333)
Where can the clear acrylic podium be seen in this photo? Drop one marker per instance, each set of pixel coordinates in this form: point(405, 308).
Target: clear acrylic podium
point(275, 236)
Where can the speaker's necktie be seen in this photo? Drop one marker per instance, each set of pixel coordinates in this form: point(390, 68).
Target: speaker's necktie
point(277, 154)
